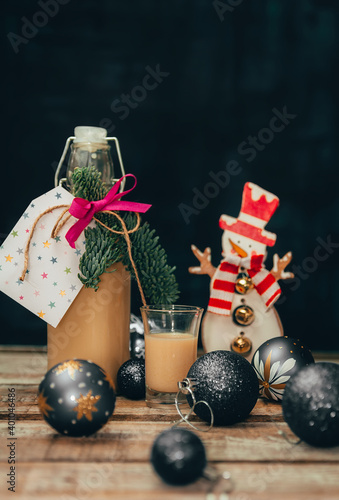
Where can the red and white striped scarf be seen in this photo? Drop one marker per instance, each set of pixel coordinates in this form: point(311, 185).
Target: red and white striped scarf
point(223, 282)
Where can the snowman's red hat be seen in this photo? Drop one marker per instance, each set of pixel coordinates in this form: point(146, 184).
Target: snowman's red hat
point(257, 207)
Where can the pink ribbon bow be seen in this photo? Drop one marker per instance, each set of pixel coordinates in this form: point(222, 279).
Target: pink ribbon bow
point(84, 210)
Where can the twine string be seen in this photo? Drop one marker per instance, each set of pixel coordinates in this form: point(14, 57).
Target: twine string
point(126, 233)
point(49, 210)
point(61, 221)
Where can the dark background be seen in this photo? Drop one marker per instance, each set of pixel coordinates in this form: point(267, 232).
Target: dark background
point(227, 70)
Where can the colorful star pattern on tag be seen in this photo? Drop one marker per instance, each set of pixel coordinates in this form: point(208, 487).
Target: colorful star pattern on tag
point(53, 265)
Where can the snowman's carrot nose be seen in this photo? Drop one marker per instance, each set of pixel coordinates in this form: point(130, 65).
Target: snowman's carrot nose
point(238, 249)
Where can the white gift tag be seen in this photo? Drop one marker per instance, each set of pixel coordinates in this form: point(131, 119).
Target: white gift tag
point(51, 282)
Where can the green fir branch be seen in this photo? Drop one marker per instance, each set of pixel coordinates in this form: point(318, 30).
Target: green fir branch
point(104, 248)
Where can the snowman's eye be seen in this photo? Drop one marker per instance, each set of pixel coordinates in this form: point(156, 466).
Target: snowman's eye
point(249, 246)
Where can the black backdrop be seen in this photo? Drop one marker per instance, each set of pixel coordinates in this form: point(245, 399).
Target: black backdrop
point(224, 70)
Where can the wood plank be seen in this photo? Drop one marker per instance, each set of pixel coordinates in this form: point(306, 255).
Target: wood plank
point(22, 348)
point(130, 442)
point(22, 367)
point(114, 463)
point(22, 364)
point(26, 408)
point(107, 480)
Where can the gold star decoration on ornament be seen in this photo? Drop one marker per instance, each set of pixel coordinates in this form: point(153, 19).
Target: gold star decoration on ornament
point(86, 405)
point(108, 378)
point(110, 381)
point(43, 405)
point(71, 366)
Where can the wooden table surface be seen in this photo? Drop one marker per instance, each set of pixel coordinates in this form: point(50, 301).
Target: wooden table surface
point(114, 463)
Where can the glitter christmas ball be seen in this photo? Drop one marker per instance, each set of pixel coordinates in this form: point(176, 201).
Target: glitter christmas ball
point(131, 379)
point(311, 404)
point(275, 361)
point(228, 383)
point(178, 456)
point(76, 397)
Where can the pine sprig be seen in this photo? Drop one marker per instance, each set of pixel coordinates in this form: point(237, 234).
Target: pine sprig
point(87, 184)
point(156, 276)
point(104, 248)
point(100, 254)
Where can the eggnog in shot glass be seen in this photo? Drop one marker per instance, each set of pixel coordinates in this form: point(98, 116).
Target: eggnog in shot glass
point(171, 342)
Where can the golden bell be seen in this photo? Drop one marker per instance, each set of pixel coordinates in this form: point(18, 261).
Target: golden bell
point(241, 345)
point(243, 315)
point(243, 284)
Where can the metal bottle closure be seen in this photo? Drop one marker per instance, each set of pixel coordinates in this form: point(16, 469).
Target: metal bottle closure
point(90, 148)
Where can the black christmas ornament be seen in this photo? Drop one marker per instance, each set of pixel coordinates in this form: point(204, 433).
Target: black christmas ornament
point(131, 379)
point(275, 361)
point(227, 382)
point(178, 456)
point(311, 404)
point(76, 397)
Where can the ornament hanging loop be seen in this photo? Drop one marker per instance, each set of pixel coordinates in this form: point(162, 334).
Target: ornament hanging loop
point(186, 386)
point(282, 433)
point(294, 442)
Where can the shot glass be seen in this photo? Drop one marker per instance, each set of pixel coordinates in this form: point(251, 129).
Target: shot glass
point(171, 342)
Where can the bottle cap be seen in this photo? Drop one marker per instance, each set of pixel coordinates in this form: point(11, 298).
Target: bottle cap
point(90, 134)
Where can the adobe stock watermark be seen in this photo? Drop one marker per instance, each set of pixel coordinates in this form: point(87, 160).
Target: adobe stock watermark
point(211, 190)
point(248, 148)
point(310, 264)
point(265, 136)
point(99, 477)
point(30, 28)
point(123, 105)
point(221, 7)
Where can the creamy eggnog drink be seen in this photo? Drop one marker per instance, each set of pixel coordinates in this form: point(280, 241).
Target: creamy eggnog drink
point(169, 357)
point(96, 326)
point(171, 341)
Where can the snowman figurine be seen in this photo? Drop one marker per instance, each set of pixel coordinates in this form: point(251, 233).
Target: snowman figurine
point(240, 314)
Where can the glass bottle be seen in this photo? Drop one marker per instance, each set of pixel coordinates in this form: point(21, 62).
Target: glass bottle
point(97, 324)
point(90, 148)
